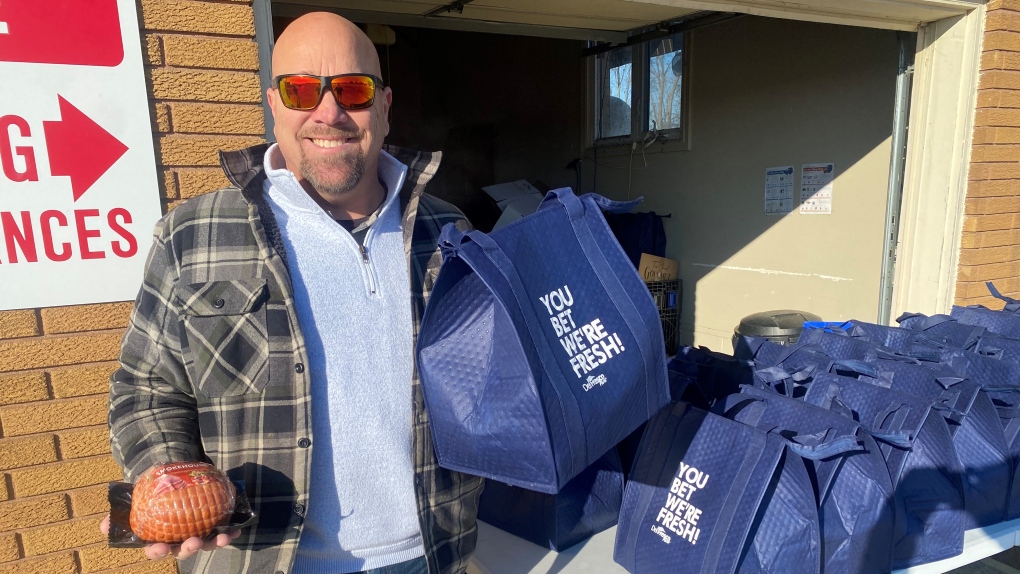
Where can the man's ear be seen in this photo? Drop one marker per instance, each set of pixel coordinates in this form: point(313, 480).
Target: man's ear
point(271, 98)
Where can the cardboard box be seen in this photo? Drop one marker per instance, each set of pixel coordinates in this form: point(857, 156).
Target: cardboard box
point(652, 268)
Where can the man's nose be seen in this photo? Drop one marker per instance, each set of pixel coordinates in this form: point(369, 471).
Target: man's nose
point(329, 111)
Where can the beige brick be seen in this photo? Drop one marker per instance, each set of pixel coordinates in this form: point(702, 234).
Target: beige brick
point(165, 566)
point(23, 388)
point(62, 536)
point(168, 185)
point(995, 153)
point(80, 443)
point(22, 323)
point(990, 302)
point(100, 557)
point(204, 17)
point(990, 238)
point(9, 548)
point(1003, 5)
point(969, 273)
point(51, 351)
point(218, 119)
point(978, 289)
point(168, 205)
point(988, 222)
point(205, 85)
point(153, 50)
point(80, 381)
point(54, 415)
point(161, 119)
point(52, 564)
point(192, 150)
point(1002, 40)
point(79, 318)
point(89, 501)
point(196, 181)
point(1002, 20)
point(1009, 80)
point(996, 135)
point(205, 52)
point(63, 475)
point(4, 492)
point(1000, 60)
point(993, 188)
point(32, 512)
point(996, 117)
point(21, 452)
point(999, 99)
point(980, 171)
point(987, 255)
point(992, 205)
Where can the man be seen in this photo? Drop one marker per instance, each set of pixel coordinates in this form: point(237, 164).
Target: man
point(274, 334)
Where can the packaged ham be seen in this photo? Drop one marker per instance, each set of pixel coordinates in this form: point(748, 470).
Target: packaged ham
point(176, 501)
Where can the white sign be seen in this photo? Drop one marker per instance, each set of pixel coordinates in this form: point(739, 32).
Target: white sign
point(78, 184)
point(816, 188)
point(779, 189)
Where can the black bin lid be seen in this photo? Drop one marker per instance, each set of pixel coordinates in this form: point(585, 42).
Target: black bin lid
point(781, 323)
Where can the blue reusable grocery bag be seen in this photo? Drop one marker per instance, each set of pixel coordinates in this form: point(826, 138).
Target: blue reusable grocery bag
point(587, 505)
point(853, 490)
point(712, 495)
point(710, 375)
point(540, 348)
point(1005, 322)
point(973, 425)
point(639, 233)
point(943, 328)
point(1001, 381)
point(1001, 348)
point(904, 341)
point(924, 467)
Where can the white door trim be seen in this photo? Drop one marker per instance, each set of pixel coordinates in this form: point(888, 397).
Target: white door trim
point(938, 157)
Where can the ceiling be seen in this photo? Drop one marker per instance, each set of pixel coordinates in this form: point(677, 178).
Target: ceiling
point(612, 19)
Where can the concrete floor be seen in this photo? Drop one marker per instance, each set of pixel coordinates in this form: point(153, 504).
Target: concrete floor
point(1007, 562)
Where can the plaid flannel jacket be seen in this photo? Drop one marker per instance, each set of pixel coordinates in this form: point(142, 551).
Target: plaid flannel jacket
point(212, 367)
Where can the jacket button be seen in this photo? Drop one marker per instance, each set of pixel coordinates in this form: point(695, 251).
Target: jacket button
point(299, 509)
point(299, 368)
point(218, 303)
point(304, 443)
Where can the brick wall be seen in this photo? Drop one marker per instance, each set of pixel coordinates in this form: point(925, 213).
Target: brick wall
point(990, 246)
point(55, 363)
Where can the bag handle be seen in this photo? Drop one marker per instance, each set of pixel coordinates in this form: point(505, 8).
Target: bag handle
point(855, 366)
point(744, 409)
point(493, 253)
point(928, 322)
point(836, 404)
point(1012, 305)
point(991, 351)
point(575, 207)
point(773, 375)
point(840, 445)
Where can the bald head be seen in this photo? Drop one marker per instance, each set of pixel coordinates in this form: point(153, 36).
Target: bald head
point(320, 42)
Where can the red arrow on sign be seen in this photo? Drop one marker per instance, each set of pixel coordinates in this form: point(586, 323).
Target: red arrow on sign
point(61, 32)
point(79, 148)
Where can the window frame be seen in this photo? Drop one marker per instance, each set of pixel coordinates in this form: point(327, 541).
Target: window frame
point(676, 139)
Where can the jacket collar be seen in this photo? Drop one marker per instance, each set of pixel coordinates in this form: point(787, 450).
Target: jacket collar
point(244, 169)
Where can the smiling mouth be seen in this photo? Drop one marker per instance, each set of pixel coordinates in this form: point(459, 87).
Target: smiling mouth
point(330, 143)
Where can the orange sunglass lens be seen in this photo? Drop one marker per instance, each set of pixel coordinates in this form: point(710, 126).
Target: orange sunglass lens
point(300, 93)
point(354, 92)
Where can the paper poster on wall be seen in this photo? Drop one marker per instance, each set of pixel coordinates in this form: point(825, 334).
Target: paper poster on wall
point(816, 188)
point(779, 189)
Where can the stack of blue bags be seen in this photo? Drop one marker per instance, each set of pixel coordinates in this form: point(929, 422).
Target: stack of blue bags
point(908, 435)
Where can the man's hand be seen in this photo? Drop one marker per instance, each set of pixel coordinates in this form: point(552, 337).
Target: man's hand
point(183, 550)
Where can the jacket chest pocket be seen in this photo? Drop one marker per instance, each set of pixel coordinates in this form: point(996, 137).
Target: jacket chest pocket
point(224, 337)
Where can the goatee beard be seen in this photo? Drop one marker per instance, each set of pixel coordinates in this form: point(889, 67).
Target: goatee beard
point(336, 176)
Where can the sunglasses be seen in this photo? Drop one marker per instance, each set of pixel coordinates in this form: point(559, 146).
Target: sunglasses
point(304, 92)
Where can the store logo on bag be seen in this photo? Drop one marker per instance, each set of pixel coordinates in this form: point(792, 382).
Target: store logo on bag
point(594, 381)
point(588, 346)
point(662, 534)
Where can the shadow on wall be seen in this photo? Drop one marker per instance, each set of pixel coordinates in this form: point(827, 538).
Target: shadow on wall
point(767, 93)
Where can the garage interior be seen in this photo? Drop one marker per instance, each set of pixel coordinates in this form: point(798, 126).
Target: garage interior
point(505, 89)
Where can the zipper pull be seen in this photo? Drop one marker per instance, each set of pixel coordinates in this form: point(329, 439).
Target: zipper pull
point(364, 254)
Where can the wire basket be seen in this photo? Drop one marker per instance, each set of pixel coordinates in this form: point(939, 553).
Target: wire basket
point(667, 296)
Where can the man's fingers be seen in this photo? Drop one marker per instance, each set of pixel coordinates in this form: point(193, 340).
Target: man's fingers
point(156, 551)
point(187, 548)
point(104, 526)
